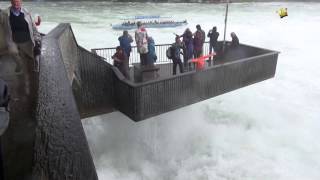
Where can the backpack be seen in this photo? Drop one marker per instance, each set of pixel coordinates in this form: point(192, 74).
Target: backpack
point(169, 53)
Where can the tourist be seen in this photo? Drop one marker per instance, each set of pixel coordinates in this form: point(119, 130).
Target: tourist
point(152, 57)
point(198, 41)
point(125, 42)
point(188, 46)
point(235, 40)
point(213, 35)
point(175, 51)
point(22, 35)
point(141, 38)
point(120, 60)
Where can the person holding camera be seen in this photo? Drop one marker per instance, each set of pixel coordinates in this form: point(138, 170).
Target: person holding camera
point(213, 36)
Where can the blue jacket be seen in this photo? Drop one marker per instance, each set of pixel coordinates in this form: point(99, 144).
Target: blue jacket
point(125, 43)
point(152, 57)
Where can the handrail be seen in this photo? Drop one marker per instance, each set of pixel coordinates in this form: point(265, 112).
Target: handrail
point(140, 84)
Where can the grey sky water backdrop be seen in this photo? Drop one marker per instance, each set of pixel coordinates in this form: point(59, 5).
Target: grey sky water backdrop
point(267, 131)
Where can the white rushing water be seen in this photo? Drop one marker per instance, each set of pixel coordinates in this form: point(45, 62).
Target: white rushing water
point(267, 131)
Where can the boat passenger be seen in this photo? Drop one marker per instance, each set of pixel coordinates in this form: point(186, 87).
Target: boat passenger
point(152, 57)
point(175, 51)
point(120, 60)
point(213, 35)
point(235, 40)
point(141, 38)
point(125, 42)
point(199, 38)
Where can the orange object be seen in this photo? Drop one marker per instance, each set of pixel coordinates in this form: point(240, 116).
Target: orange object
point(200, 60)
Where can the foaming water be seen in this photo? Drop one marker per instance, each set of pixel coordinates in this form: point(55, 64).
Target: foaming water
point(264, 131)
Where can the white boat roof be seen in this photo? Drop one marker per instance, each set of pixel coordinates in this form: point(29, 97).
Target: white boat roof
point(147, 17)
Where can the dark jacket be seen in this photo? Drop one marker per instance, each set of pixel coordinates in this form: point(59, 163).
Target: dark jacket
point(235, 41)
point(125, 43)
point(175, 48)
point(198, 40)
point(213, 35)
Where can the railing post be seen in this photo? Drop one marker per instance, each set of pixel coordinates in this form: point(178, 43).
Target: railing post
point(225, 26)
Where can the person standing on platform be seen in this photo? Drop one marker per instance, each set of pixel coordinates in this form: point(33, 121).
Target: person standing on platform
point(187, 41)
point(152, 57)
point(120, 60)
point(175, 51)
point(141, 38)
point(198, 41)
point(213, 35)
point(125, 42)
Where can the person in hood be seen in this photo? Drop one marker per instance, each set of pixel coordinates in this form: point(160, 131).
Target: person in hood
point(198, 41)
point(152, 57)
point(235, 40)
point(187, 41)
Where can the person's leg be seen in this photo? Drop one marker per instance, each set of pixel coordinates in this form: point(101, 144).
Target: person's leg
point(174, 68)
point(144, 60)
point(210, 51)
point(180, 66)
point(195, 53)
point(26, 48)
point(185, 58)
point(125, 71)
point(26, 51)
point(14, 52)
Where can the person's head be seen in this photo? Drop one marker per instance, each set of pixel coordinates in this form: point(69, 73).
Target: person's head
point(139, 24)
point(214, 29)
point(119, 49)
point(125, 33)
point(177, 39)
point(233, 34)
point(198, 27)
point(150, 40)
point(16, 4)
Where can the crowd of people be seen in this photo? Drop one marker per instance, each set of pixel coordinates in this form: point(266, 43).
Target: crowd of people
point(190, 47)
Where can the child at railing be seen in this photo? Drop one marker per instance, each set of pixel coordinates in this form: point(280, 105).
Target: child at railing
point(121, 61)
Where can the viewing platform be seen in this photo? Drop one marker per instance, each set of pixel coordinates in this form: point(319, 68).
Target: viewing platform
point(45, 138)
point(238, 67)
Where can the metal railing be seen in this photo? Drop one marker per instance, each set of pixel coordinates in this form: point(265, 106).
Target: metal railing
point(161, 49)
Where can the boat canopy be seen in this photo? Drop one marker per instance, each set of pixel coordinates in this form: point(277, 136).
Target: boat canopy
point(147, 17)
